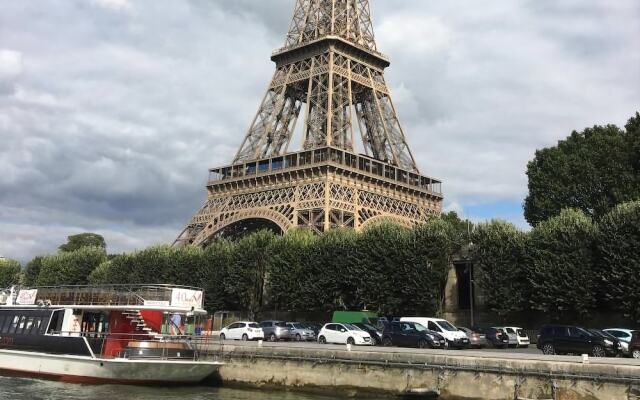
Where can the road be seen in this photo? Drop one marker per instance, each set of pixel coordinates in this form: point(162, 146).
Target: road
point(531, 353)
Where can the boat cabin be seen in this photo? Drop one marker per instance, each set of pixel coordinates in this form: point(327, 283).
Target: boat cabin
point(116, 321)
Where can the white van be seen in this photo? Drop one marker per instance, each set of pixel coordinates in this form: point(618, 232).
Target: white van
point(454, 337)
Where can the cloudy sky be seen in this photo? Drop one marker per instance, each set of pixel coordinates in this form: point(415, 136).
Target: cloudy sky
point(111, 111)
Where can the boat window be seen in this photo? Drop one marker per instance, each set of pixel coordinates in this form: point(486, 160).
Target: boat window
point(21, 325)
point(35, 327)
point(27, 326)
point(55, 324)
point(7, 324)
point(14, 324)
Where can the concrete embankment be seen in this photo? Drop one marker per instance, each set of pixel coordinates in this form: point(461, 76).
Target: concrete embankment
point(444, 374)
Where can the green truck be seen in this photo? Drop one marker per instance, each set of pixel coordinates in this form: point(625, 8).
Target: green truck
point(355, 317)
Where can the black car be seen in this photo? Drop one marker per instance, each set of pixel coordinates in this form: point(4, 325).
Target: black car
point(565, 339)
point(411, 334)
point(613, 346)
point(376, 335)
point(496, 337)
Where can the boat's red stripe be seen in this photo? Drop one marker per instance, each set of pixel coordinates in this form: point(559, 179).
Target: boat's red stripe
point(89, 379)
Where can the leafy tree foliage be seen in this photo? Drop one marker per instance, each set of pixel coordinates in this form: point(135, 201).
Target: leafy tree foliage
point(9, 273)
point(593, 171)
point(562, 264)
point(70, 268)
point(32, 270)
point(76, 242)
point(499, 255)
point(248, 270)
point(619, 259)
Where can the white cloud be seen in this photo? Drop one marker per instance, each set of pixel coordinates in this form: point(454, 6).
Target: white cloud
point(116, 5)
point(11, 65)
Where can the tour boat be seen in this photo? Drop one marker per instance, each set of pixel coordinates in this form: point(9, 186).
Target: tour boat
point(128, 334)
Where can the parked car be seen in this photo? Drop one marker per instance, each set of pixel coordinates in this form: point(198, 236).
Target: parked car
point(496, 337)
point(453, 337)
point(613, 344)
point(376, 334)
point(411, 334)
point(565, 339)
point(624, 335)
point(477, 340)
point(301, 333)
point(634, 345)
point(243, 330)
point(343, 334)
point(517, 336)
point(276, 330)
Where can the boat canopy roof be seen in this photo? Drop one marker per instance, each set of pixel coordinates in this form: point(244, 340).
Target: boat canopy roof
point(170, 298)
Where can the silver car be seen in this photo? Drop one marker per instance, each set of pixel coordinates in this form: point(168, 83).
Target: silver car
point(300, 333)
point(275, 331)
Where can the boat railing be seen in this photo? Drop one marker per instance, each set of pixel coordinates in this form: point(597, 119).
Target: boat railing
point(142, 346)
point(108, 295)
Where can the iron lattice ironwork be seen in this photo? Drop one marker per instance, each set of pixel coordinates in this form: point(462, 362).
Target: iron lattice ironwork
point(330, 75)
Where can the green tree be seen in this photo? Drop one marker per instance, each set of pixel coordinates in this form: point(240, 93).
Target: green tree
point(593, 171)
point(9, 272)
point(247, 273)
point(32, 270)
point(70, 268)
point(618, 244)
point(561, 275)
point(288, 271)
point(499, 256)
point(76, 242)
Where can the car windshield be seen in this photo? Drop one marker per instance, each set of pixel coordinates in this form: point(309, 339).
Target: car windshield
point(419, 328)
point(253, 325)
point(297, 326)
point(509, 330)
point(447, 326)
point(352, 327)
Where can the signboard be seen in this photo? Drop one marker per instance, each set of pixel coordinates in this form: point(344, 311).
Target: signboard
point(27, 297)
point(186, 298)
point(159, 303)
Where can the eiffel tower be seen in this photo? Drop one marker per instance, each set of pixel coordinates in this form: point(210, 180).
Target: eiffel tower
point(330, 76)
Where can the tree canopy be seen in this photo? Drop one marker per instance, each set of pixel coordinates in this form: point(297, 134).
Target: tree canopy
point(592, 171)
point(76, 242)
point(9, 272)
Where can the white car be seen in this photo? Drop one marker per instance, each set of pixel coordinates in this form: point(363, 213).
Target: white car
point(453, 336)
point(343, 334)
point(243, 330)
point(517, 336)
point(624, 335)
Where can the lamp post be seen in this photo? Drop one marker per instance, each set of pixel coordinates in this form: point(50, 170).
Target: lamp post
point(470, 268)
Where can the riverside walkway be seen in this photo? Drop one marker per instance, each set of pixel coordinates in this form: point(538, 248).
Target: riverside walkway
point(444, 374)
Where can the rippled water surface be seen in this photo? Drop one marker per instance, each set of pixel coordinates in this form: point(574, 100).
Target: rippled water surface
point(34, 389)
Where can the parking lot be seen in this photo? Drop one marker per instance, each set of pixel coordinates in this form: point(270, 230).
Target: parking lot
point(531, 353)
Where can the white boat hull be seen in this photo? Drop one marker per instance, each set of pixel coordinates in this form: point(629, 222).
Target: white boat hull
point(80, 369)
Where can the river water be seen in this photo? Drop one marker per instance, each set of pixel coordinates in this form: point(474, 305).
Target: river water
point(33, 389)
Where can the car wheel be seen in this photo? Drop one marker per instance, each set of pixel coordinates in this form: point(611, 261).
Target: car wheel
point(598, 351)
point(423, 344)
point(351, 341)
point(322, 340)
point(387, 342)
point(636, 354)
point(245, 337)
point(273, 338)
point(548, 349)
point(298, 337)
point(222, 337)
